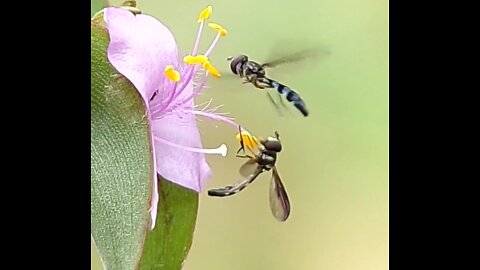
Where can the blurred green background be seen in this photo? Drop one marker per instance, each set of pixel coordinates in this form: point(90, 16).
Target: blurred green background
point(335, 162)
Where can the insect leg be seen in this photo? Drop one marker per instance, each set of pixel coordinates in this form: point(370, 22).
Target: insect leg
point(257, 83)
point(255, 80)
point(244, 156)
point(275, 104)
point(284, 105)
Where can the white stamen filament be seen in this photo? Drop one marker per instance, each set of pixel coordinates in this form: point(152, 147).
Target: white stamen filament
point(213, 45)
point(197, 41)
point(221, 150)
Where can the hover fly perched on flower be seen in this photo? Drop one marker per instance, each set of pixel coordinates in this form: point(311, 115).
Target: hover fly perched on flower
point(263, 158)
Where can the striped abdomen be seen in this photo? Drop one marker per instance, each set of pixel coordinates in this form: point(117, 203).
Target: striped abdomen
point(289, 94)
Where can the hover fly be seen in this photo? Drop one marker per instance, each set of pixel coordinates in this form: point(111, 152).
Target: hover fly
point(263, 158)
point(254, 73)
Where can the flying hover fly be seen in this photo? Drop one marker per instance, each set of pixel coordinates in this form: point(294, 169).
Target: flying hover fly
point(255, 73)
point(263, 158)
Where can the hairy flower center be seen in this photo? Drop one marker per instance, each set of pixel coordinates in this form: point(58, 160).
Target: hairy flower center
point(176, 82)
point(167, 100)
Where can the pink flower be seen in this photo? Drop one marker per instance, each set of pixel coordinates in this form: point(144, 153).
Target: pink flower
point(144, 50)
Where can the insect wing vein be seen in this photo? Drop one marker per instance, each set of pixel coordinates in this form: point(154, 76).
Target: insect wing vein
point(279, 202)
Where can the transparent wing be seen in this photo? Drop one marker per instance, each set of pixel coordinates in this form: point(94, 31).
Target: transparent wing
point(230, 190)
point(279, 203)
point(249, 167)
point(275, 104)
point(312, 53)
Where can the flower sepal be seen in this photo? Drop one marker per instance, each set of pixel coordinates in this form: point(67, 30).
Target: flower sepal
point(122, 163)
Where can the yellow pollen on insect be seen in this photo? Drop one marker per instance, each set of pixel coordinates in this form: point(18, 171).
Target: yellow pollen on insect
point(248, 140)
point(205, 14)
point(211, 69)
point(217, 27)
point(172, 74)
point(193, 60)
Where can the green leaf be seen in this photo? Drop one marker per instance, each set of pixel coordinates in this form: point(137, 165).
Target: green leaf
point(168, 244)
point(121, 160)
point(97, 5)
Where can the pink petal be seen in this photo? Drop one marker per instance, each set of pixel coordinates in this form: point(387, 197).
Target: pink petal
point(183, 167)
point(140, 48)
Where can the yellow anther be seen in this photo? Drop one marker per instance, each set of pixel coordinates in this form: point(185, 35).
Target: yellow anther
point(222, 31)
point(202, 59)
point(205, 14)
point(211, 69)
point(249, 140)
point(172, 74)
point(197, 59)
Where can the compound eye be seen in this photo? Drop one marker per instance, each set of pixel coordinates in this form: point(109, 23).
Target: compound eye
point(236, 61)
point(273, 145)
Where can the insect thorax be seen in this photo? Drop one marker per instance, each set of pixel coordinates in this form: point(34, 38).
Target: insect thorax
point(251, 67)
point(267, 159)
